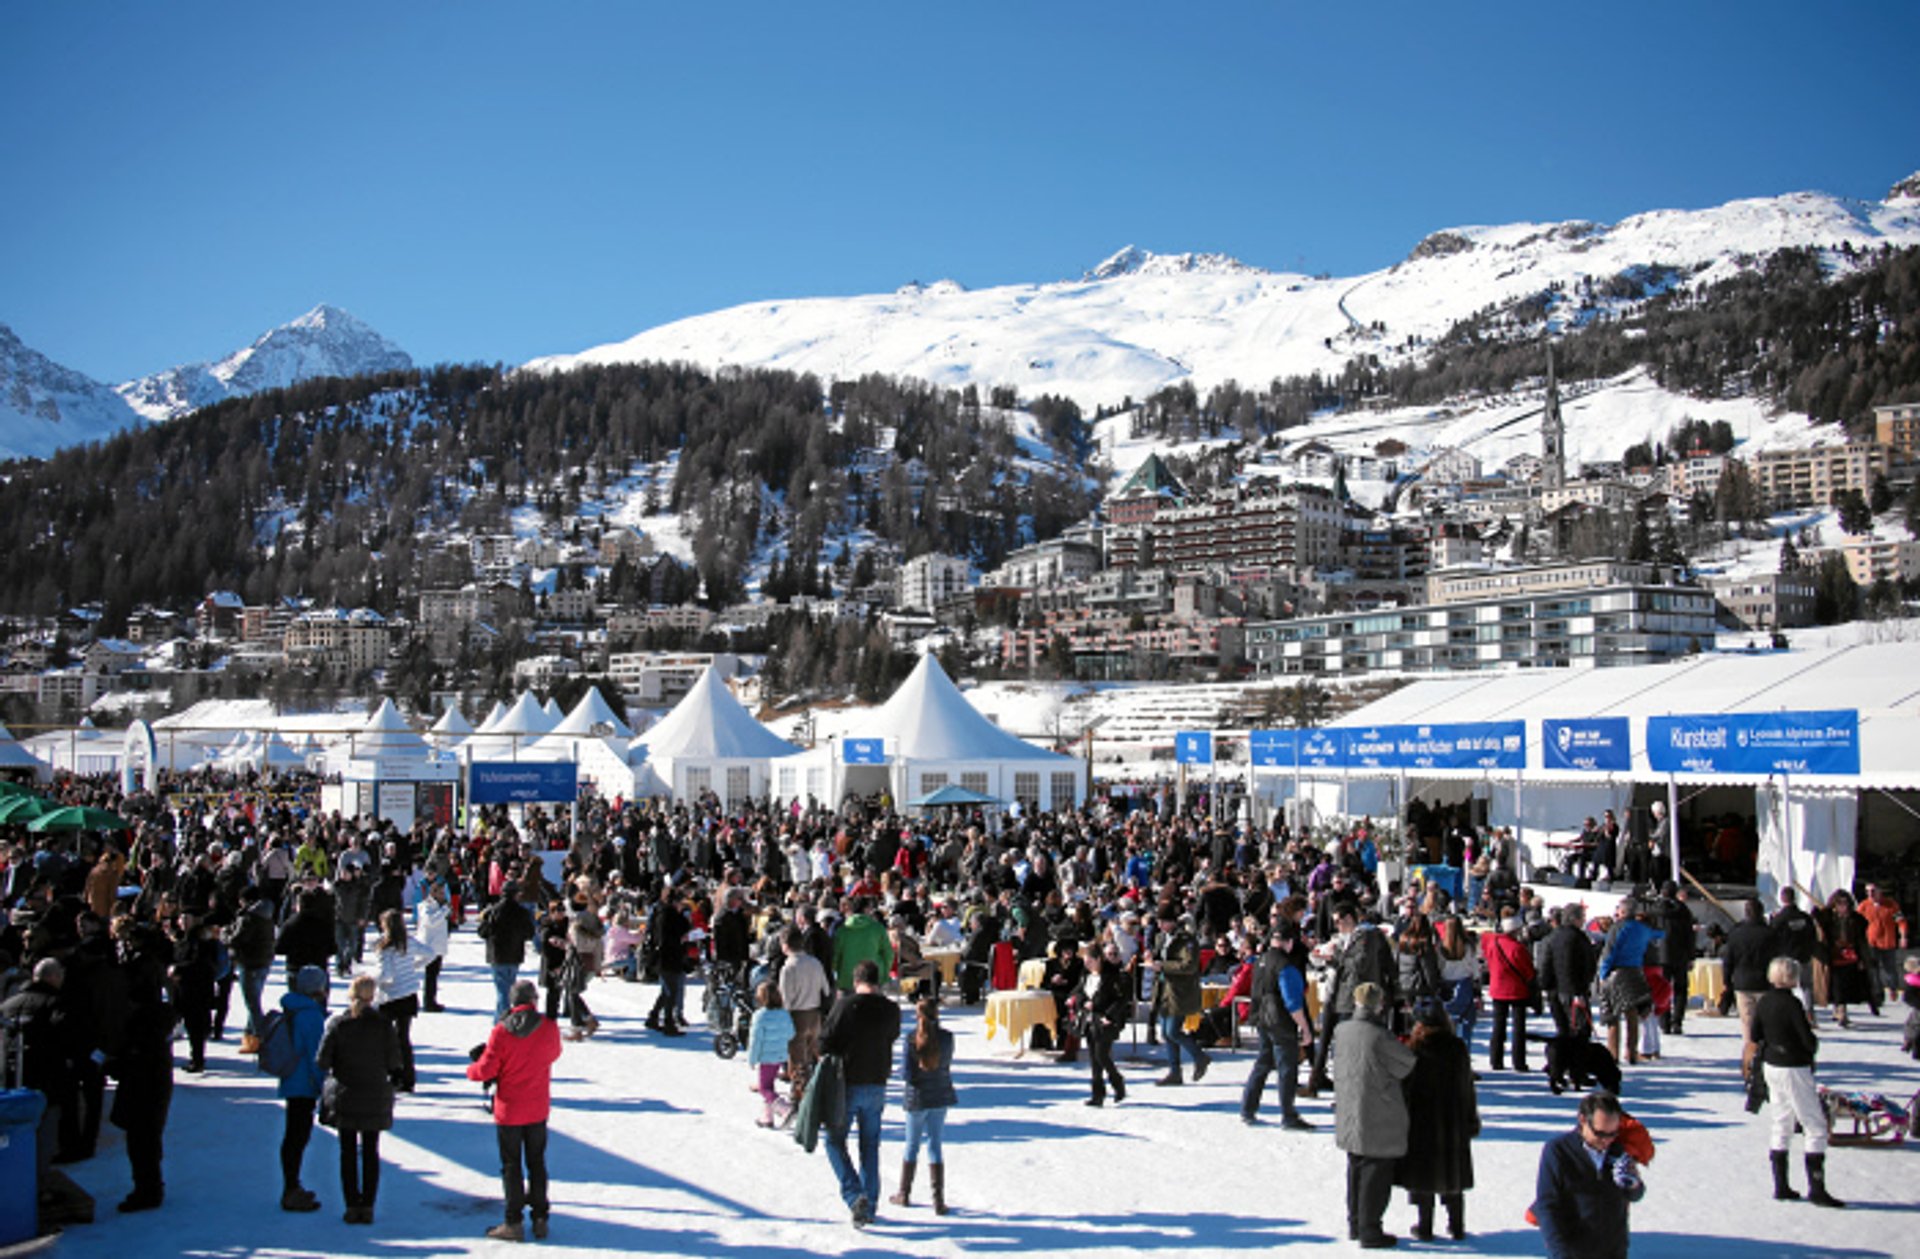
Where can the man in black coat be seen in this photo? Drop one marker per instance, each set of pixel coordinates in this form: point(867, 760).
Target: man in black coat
point(507, 928)
point(1565, 977)
point(666, 940)
point(1674, 949)
point(1751, 946)
point(862, 1029)
point(306, 939)
point(1586, 1185)
point(1796, 935)
point(36, 1015)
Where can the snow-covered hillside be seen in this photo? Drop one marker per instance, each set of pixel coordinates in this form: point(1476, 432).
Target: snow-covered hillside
point(1140, 321)
point(326, 341)
point(44, 406)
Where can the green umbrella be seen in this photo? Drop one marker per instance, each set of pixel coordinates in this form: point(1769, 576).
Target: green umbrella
point(75, 817)
point(19, 809)
point(10, 789)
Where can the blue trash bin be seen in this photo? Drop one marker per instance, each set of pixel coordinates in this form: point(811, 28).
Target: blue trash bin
point(20, 1111)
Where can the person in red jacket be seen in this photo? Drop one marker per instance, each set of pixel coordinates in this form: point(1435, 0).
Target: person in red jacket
point(518, 1061)
point(1510, 985)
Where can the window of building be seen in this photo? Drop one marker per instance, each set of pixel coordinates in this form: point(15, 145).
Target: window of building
point(1026, 790)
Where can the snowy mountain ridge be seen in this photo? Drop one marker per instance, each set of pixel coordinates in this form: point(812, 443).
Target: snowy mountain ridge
point(45, 406)
point(326, 341)
point(1140, 321)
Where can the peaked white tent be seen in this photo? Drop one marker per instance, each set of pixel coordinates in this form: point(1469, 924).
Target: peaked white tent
point(512, 733)
point(493, 717)
point(593, 716)
point(708, 742)
point(552, 709)
point(448, 732)
point(926, 736)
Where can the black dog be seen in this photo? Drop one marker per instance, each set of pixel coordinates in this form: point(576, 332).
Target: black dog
point(1581, 1062)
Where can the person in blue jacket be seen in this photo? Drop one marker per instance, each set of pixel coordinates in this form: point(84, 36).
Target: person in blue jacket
point(1623, 976)
point(1586, 1185)
point(306, 1010)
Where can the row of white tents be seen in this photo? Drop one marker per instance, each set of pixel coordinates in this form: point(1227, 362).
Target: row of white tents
point(926, 737)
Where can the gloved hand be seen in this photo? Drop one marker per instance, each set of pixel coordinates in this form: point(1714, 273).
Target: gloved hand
point(1626, 1174)
point(473, 1055)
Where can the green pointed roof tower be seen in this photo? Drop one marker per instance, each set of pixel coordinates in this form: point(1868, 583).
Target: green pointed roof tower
point(1153, 477)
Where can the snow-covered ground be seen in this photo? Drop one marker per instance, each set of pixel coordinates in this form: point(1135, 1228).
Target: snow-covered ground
point(654, 1150)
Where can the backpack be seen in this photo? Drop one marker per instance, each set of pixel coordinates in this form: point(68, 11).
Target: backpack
point(279, 1057)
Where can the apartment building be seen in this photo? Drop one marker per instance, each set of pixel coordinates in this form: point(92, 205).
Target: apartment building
point(1052, 563)
point(1465, 585)
point(927, 581)
point(1302, 526)
point(1600, 627)
point(1767, 601)
point(658, 679)
point(1876, 559)
point(1898, 428)
point(338, 641)
point(1814, 476)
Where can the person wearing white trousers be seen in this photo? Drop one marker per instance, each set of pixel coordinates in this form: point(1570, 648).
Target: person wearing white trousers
point(1783, 1046)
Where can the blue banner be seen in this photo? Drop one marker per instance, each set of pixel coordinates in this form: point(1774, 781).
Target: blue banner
point(1460, 745)
point(863, 751)
point(1756, 743)
point(1193, 747)
point(1323, 749)
point(522, 782)
point(1273, 749)
point(1371, 748)
point(1590, 743)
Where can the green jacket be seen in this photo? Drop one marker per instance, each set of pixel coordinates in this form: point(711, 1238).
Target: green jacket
point(860, 938)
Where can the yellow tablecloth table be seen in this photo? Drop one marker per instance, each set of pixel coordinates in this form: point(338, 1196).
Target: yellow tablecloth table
point(1210, 995)
point(1018, 1012)
point(948, 960)
point(1033, 973)
point(1707, 980)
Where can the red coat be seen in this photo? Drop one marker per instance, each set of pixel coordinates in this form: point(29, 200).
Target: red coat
point(519, 1058)
point(1509, 967)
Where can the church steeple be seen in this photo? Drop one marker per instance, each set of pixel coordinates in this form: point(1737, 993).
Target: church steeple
point(1553, 434)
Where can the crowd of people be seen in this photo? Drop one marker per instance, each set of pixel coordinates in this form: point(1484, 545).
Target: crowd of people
point(819, 917)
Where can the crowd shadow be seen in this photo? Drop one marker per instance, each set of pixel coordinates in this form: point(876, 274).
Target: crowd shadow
point(1196, 1231)
point(1654, 1244)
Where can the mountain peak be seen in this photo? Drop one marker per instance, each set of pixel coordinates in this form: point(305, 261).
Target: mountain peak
point(1907, 189)
point(1134, 260)
point(326, 341)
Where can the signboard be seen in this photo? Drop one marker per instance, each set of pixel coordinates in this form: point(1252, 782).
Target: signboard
point(1589, 743)
point(521, 782)
point(1193, 747)
point(434, 802)
point(1273, 749)
point(395, 802)
point(1461, 745)
point(863, 751)
point(1826, 742)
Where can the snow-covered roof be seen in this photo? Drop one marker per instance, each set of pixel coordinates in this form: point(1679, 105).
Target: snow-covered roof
point(709, 722)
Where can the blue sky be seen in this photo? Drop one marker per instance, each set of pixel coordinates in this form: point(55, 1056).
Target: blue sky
point(490, 182)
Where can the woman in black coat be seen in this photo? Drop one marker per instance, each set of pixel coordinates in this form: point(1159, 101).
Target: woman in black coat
point(360, 1053)
point(1101, 1011)
point(1443, 1119)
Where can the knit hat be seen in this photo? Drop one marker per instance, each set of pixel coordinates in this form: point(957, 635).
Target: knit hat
point(311, 981)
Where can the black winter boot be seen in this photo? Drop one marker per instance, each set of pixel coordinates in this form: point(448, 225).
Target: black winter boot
point(1423, 1217)
point(901, 1199)
point(1456, 1215)
point(1782, 1191)
point(1817, 1182)
point(939, 1173)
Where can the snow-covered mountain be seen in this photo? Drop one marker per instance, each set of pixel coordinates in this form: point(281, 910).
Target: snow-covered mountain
point(1140, 321)
point(44, 406)
point(326, 341)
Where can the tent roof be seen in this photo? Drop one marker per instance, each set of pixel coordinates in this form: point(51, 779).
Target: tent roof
point(593, 710)
point(928, 719)
point(493, 717)
point(551, 708)
point(525, 717)
point(388, 734)
point(709, 722)
point(452, 722)
point(1880, 680)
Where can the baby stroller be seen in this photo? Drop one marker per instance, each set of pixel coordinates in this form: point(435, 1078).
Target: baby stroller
point(728, 1005)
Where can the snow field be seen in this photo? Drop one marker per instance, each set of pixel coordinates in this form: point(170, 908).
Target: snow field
point(654, 1150)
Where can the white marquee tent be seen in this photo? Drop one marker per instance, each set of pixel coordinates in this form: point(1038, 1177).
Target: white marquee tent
point(930, 736)
point(1808, 825)
point(708, 742)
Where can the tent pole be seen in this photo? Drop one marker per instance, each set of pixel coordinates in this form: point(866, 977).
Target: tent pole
point(1673, 825)
point(1786, 825)
point(1519, 825)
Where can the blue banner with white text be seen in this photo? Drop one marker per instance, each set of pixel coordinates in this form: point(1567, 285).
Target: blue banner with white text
point(1822, 742)
point(863, 751)
point(1193, 747)
point(522, 782)
point(1589, 743)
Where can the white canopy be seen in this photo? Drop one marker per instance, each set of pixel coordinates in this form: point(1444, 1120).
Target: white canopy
point(388, 735)
point(452, 723)
point(930, 736)
point(493, 717)
point(708, 742)
point(593, 715)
